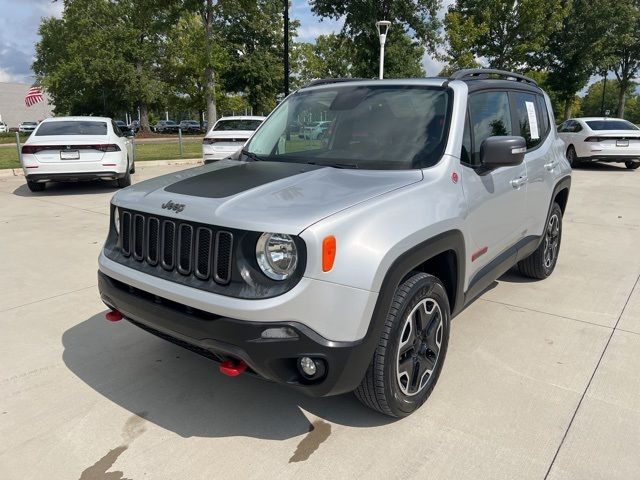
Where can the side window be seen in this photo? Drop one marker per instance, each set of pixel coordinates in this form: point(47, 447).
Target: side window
point(562, 127)
point(527, 117)
point(576, 127)
point(490, 116)
point(544, 116)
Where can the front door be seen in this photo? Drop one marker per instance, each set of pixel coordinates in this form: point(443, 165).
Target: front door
point(496, 199)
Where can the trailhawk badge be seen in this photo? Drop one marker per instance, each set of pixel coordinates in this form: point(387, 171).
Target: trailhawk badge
point(176, 207)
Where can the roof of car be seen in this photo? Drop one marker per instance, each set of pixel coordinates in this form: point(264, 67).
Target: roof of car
point(585, 119)
point(77, 118)
point(242, 117)
point(476, 79)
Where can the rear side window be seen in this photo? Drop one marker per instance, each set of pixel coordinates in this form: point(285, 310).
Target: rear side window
point(543, 115)
point(490, 116)
point(527, 117)
point(72, 127)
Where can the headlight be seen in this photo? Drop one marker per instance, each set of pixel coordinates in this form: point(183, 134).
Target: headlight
point(116, 219)
point(277, 255)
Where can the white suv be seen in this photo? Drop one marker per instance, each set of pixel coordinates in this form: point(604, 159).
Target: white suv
point(337, 266)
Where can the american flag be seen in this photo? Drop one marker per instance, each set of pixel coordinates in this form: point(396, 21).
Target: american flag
point(34, 95)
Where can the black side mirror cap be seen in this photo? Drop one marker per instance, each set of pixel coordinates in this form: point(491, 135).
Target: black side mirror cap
point(502, 151)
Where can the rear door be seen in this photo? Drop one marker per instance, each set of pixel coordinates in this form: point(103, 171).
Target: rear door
point(496, 198)
point(532, 122)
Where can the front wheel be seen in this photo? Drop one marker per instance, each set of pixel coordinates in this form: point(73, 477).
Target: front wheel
point(411, 350)
point(631, 165)
point(541, 263)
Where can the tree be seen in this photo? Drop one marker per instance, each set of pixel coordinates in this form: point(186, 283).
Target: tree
point(620, 43)
point(253, 34)
point(461, 33)
point(330, 57)
point(510, 34)
point(414, 29)
point(571, 56)
point(592, 102)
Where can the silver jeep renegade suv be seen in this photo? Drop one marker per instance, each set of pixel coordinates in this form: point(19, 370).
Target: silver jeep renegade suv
point(336, 264)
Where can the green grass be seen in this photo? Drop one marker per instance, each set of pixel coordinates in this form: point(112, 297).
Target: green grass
point(10, 137)
point(144, 152)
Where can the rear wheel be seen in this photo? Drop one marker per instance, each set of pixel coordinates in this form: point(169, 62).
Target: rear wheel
point(411, 350)
point(572, 156)
point(631, 165)
point(36, 186)
point(125, 181)
point(541, 263)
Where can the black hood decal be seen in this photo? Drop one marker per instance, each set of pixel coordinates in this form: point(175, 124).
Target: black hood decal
point(230, 181)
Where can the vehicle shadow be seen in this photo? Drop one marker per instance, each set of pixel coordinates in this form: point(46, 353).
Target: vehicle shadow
point(603, 167)
point(183, 392)
point(69, 188)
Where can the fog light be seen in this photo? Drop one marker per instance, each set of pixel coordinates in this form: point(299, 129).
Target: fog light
point(308, 366)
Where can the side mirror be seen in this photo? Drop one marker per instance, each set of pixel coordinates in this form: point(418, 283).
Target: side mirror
point(496, 152)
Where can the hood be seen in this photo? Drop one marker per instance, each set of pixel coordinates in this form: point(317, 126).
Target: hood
point(262, 196)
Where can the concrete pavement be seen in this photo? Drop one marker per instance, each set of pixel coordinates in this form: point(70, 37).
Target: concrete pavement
point(540, 378)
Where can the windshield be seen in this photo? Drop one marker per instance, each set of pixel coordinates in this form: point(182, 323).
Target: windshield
point(237, 125)
point(370, 127)
point(611, 125)
point(70, 127)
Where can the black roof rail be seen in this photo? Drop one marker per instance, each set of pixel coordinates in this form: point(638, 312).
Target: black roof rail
point(483, 73)
point(325, 81)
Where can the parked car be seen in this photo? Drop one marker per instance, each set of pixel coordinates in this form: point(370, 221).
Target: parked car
point(600, 139)
point(227, 136)
point(27, 127)
point(135, 126)
point(338, 267)
point(124, 128)
point(315, 131)
point(67, 149)
point(3, 127)
point(190, 126)
point(166, 126)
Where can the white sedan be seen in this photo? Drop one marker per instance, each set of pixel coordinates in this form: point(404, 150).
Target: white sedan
point(67, 149)
point(598, 139)
point(228, 135)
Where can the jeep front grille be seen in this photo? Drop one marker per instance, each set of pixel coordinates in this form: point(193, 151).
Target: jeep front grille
point(202, 251)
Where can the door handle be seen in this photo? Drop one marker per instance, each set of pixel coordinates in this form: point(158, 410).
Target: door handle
point(551, 165)
point(518, 182)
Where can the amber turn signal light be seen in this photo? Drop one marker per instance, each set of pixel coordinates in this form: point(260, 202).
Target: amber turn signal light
point(328, 253)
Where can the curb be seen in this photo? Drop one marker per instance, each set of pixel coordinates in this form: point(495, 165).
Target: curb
point(17, 172)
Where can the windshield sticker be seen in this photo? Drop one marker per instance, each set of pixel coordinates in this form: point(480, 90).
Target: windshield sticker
point(533, 121)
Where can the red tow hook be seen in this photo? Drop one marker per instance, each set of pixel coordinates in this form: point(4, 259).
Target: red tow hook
point(114, 316)
point(232, 369)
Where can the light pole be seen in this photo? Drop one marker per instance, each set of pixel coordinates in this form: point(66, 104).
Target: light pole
point(383, 28)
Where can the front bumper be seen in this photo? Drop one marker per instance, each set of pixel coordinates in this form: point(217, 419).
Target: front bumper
point(222, 338)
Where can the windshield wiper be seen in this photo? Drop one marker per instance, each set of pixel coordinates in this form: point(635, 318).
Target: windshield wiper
point(334, 165)
point(251, 155)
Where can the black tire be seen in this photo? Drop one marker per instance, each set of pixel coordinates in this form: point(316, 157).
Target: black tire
point(382, 387)
point(132, 170)
point(541, 263)
point(631, 165)
point(124, 181)
point(36, 186)
point(572, 156)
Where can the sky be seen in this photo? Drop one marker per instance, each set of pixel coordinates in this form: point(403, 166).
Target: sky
point(19, 33)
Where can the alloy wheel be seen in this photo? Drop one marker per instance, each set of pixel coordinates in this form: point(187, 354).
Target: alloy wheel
point(419, 347)
point(551, 241)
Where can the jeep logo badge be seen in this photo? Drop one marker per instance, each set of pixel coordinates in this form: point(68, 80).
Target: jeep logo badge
point(176, 207)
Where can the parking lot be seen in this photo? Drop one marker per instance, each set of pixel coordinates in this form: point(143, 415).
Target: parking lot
point(541, 378)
